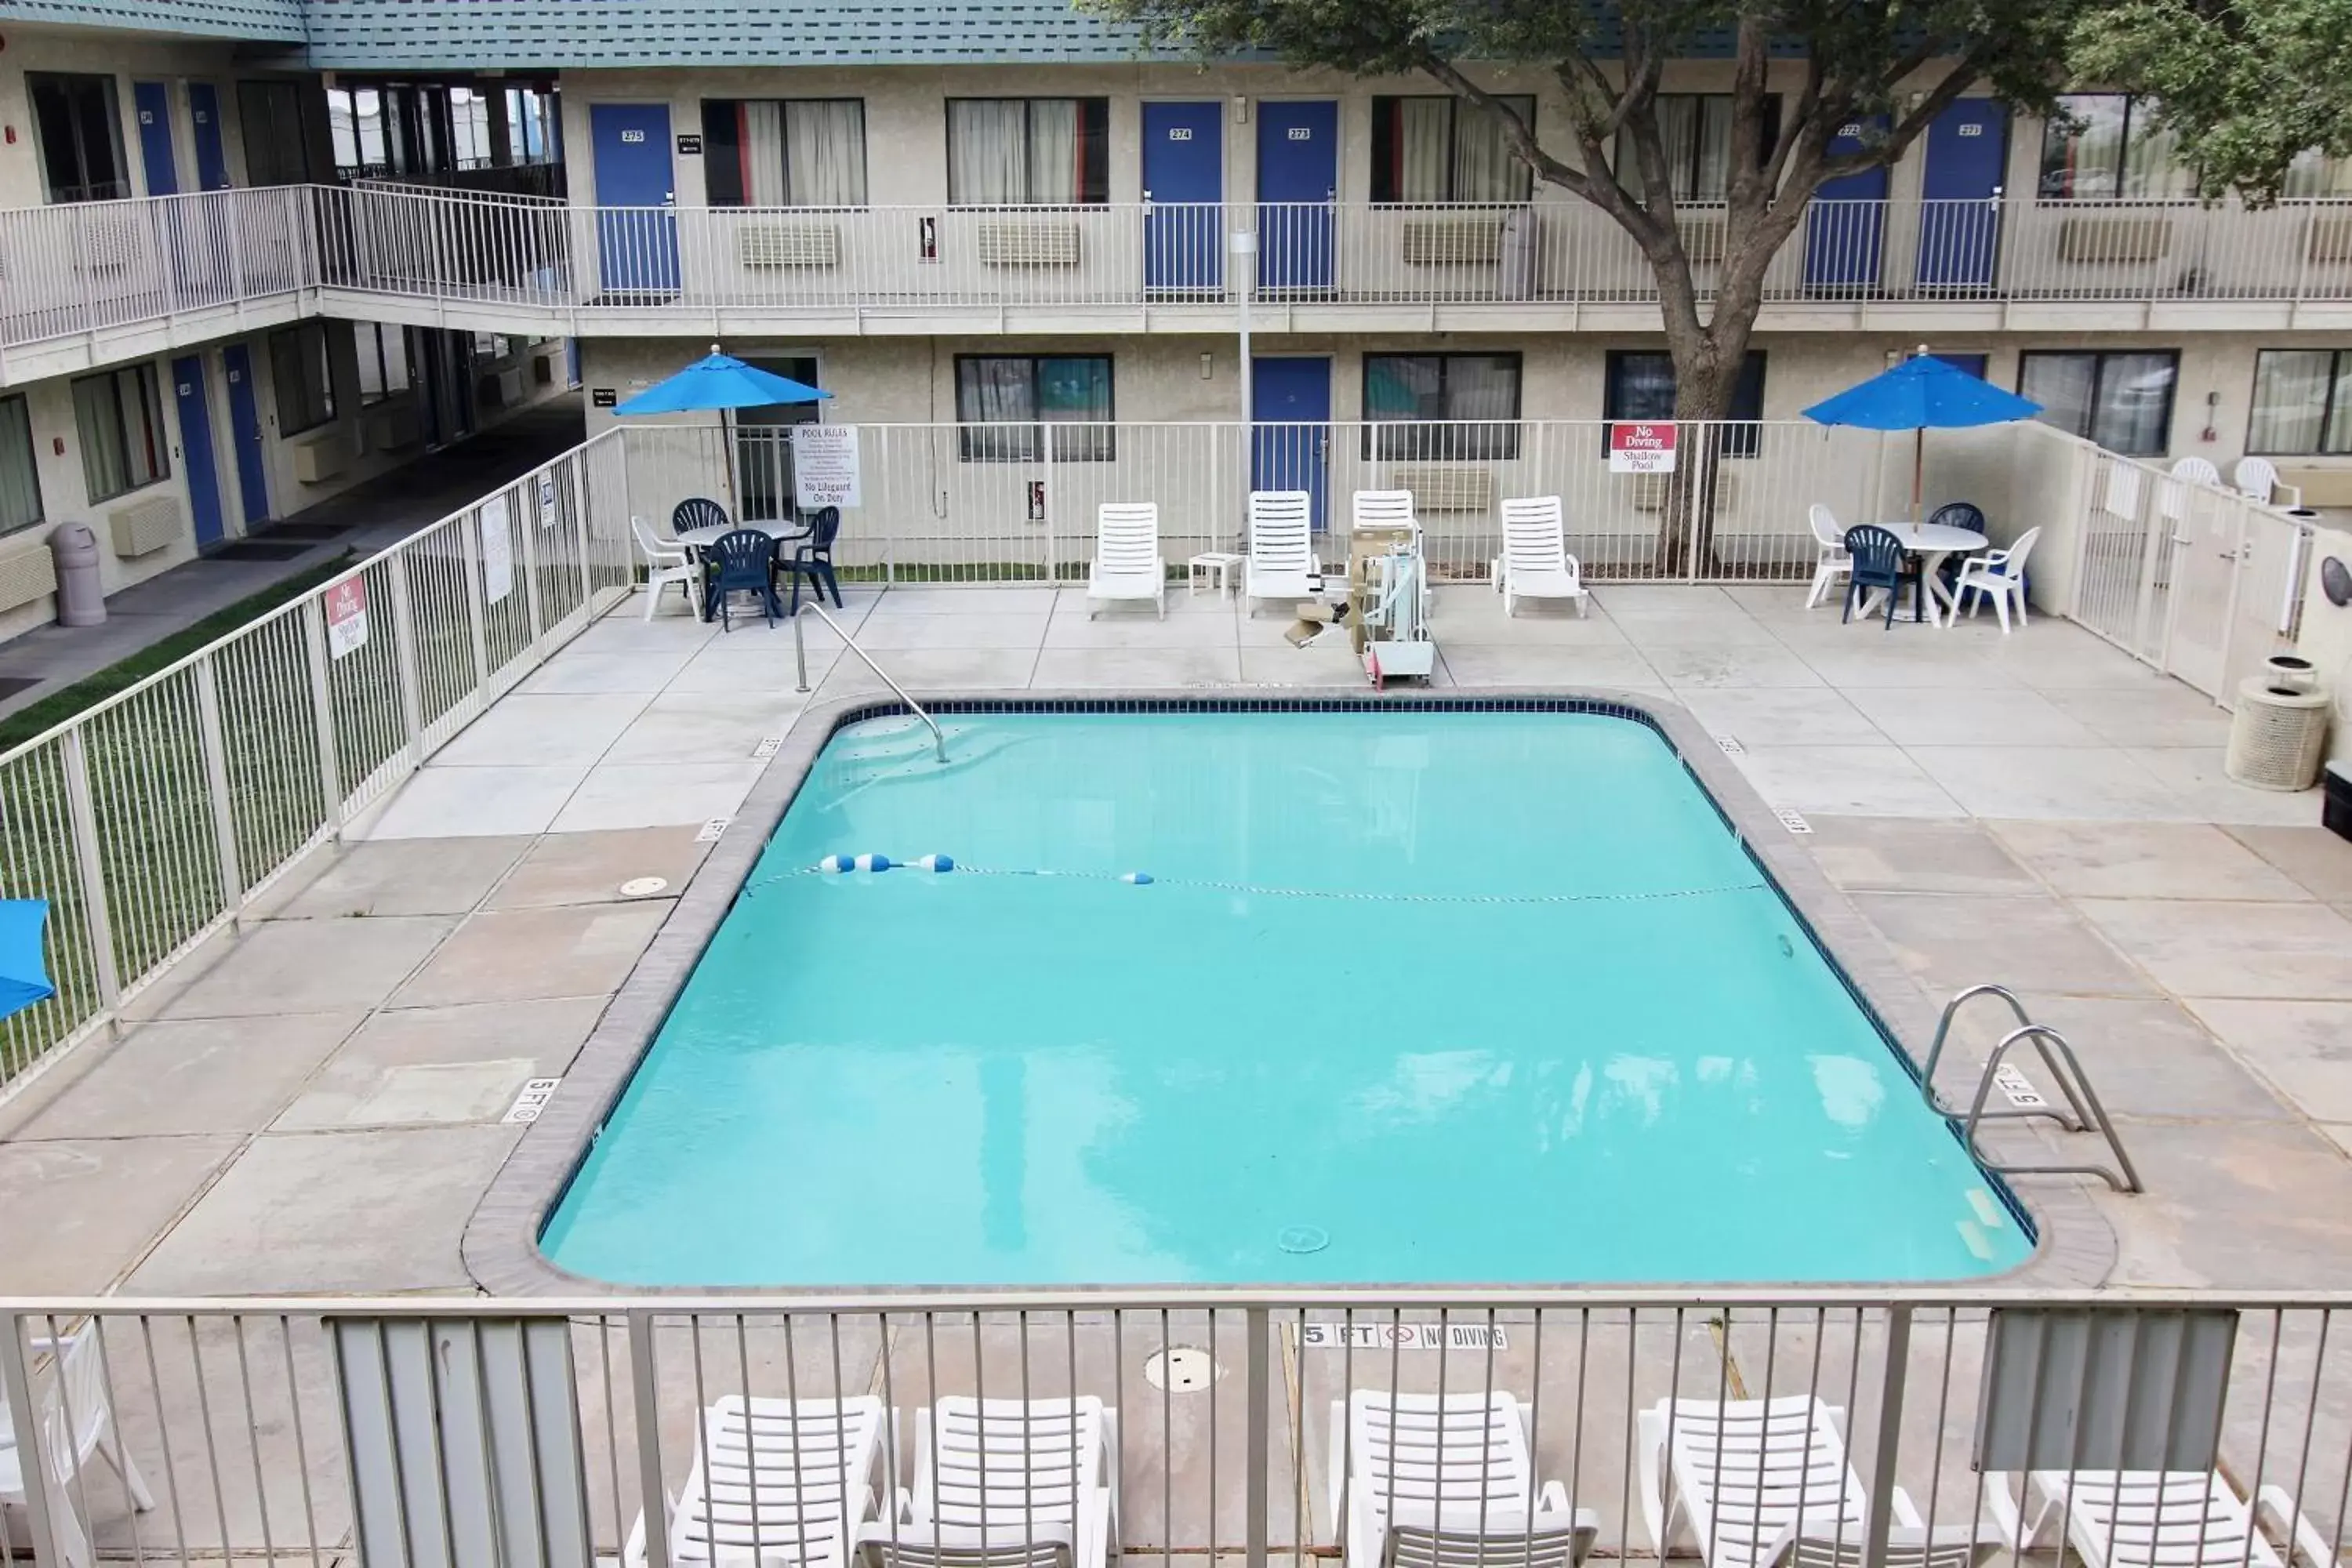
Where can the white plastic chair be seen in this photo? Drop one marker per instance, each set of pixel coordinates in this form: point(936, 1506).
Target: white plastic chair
point(1763, 1483)
point(666, 562)
point(1384, 508)
point(76, 1420)
point(1128, 563)
point(1418, 1481)
point(1006, 1483)
point(2172, 497)
point(2197, 471)
point(1282, 562)
point(2257, 480)
point(1998, 575)
point(2159, 1518)
point(774, 1481)
point(1535, 563)
point(1834, 562)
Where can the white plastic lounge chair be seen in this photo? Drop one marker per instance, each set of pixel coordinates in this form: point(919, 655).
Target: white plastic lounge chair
point(1384, 508)
point(1535, 563)
point(1998, 575)
point(1834, 562)
point(666, 562)
point(1281, 547)
point(774, 1481)
point(1417, 1482)
point(2159, 1518)
point(1764, 1483)
point(1007, 1484)
point(1127, 562)
point(2257, 480)
point(76, 1420)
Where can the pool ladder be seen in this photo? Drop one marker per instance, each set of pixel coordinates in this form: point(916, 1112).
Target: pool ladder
point(2084, 1112)
point(800, 661)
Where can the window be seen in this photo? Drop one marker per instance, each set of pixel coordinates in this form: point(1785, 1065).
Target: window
point(1642, 387)
point(470, 143)
point(1405, 395)
point(1006, 402)
point(277, 152)
point(2106, 147)
point(534, 126)
point(1694, 134)
point(1444, 150)
point(20, 484)
point(121, 421)
point(763, 444)
point(2302, 403)
point(771, 153)
point(2122, 401)
point(1028, 151)
point(80, 134)
point(306, 388)
point(384, 361)
point(2314, 175)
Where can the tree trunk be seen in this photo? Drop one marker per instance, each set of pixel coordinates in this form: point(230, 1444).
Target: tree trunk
point(1705, 381)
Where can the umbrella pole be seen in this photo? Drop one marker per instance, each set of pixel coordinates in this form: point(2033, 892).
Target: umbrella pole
point(1918, 470)
point(726, 438)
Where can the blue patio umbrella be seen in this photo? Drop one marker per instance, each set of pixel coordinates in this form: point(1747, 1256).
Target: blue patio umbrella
point(1922, 394)
point(24, 976)
point(723, 383)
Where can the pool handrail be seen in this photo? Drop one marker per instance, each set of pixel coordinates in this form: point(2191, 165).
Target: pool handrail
point(800, 657)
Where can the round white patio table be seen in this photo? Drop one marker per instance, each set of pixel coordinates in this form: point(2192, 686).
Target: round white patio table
point(704, 538)
point(1932, 542)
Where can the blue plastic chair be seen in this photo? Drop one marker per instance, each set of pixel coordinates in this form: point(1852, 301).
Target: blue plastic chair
point(1957, 514)
point(813, 559)
point(1878, 562)
point(697, 511)
point(742, 562)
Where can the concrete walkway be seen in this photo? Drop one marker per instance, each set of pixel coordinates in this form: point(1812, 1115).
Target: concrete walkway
point(365, 518)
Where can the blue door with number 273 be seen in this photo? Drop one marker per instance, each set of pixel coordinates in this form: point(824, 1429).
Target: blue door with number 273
point(1298, 180)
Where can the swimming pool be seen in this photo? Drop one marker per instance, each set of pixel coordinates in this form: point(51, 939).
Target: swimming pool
point(1411, 995)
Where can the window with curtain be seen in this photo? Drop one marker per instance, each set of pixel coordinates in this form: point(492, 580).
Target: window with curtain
point(1007, 403)
point(1028, 151)
point(2302, 403)
point(384, 361)
point(1695, 135)
point(784, 152)
point(1641, 388)
point(20, 483)
point(305, 386)
point(470, 143)
point(119, 420)
point(277, 152)
point(80, 134)
point(1444, 150)
point(1422, 407)
point(2122, 401)
point(2106, 147)
point(2315, 177)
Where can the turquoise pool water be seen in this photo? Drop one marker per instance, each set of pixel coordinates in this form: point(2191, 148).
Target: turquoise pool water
point(1431, 997)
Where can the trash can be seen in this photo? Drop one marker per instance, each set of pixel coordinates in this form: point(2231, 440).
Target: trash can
point(2335, 814)
point(80, 601)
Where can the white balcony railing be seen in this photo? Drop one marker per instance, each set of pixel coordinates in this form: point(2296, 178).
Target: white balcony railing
point(72, 270)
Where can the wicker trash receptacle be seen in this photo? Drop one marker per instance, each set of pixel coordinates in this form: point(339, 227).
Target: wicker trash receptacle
point(2278, 735)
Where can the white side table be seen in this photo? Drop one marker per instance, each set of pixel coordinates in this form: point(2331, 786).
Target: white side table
point(1218, 564)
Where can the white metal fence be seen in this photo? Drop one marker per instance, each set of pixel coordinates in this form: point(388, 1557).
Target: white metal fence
point(1743, 1427)
point(151, 820)
point(74, 269)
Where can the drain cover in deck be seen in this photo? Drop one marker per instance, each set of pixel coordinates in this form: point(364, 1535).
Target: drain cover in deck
point(1182, 1369)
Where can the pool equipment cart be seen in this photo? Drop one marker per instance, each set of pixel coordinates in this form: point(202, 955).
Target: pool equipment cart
point(1388, 581)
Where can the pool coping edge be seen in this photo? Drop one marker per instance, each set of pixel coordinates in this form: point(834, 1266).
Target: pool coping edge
point(2075, 1249)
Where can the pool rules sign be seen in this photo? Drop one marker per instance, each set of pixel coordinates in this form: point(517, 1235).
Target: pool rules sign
point(1641, 449)
point(824, 465)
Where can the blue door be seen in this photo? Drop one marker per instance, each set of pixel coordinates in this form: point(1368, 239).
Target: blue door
point(196, 447)
point(1959, 228)
point(1183, 180)
point(244, 434)
point(1290, 427)
point(1845, 225)
point(152, 102)
point(212, 156)
point(636, 249)
point(1298, 180)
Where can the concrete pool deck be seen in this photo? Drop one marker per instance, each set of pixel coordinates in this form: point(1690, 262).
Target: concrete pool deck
point(315, 1105)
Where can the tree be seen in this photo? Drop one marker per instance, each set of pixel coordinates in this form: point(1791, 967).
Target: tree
point(2244, 87)
point(1892, 65)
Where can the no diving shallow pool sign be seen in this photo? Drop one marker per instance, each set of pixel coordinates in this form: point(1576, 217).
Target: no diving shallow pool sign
point(1402, 1337)
point(347, 626)
point(1640, 448)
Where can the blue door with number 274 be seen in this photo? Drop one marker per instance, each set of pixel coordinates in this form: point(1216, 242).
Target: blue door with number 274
point(1184, 183)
